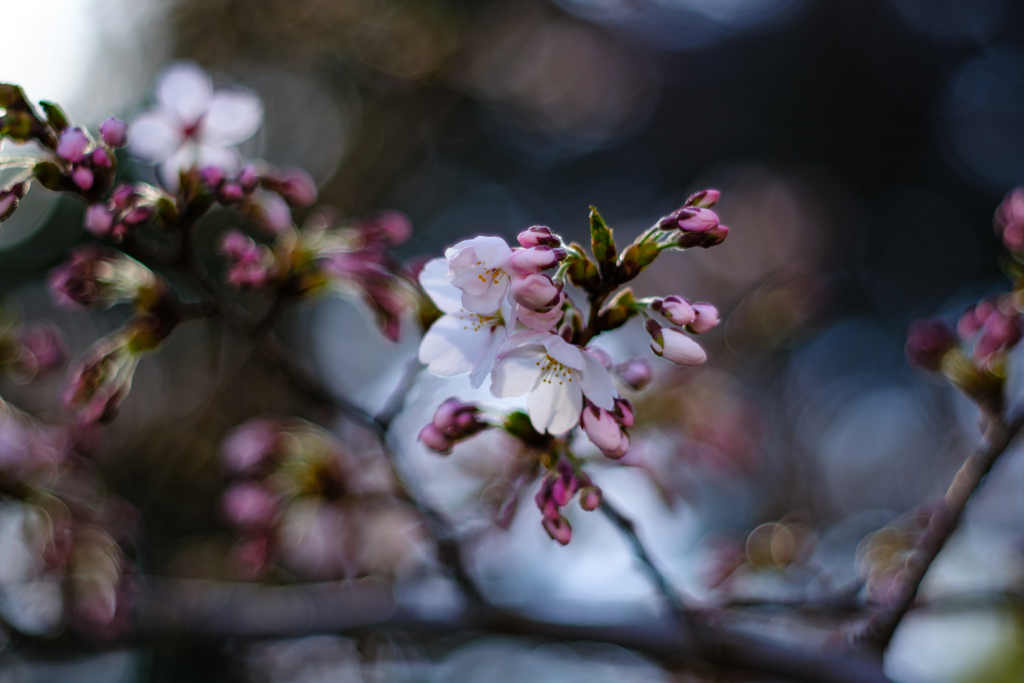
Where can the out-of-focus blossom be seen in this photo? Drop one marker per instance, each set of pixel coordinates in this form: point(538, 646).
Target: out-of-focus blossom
point(675, 346)
point(249, 505)
point(997, 327)
point(928, 342)
point(93, 278)
point(460, 341)
point(129, 208)
point(248, 446)
point(556, 490)
point(294, 185)
point(72, 145)
point(41, 350)
point(270, 211)
point(1009, 220)
point(250, 265)
point(392, 227)
point(193, 125)
point(556, 374)
point(635, 372)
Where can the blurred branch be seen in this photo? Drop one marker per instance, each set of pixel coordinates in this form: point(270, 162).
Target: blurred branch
point(879, 629)
point(221, 610)
point(839, 601)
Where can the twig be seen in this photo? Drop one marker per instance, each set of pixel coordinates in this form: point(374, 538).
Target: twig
point(879, 629)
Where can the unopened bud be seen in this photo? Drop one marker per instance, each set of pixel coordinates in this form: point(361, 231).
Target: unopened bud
point(114, 132)
point(434, 439)
point(604, 431)
point(538, 236)
point(100, 159)
point(249, 178)
point(72, 145)
point(704, 199)
point(705, 318)
point(675, 346)
point(676, 309)
point(537, 292)
point(704, 240)
point(601, 355)
point(618, 311)
point(558, 529)
point(536, 259)
point(293, 184)
point(928, 342)
point(8, 205)
point(584, 274)
point(590, 497)
point(230, 193)
point(211, 177)
point(82, 177)
point(636, 373)
point(98, 221)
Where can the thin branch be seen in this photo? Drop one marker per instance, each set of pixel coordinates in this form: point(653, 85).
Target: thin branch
point(879, 629)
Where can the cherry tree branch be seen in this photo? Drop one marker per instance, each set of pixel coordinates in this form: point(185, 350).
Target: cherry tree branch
point(879, 629)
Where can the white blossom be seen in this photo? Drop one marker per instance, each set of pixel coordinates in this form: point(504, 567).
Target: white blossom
point(480, 268)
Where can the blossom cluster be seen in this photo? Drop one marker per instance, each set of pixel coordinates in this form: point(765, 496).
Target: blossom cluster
point(508, 314)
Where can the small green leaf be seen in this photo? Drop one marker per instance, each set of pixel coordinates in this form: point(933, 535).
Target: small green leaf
point(601, 241)
point(55, 116)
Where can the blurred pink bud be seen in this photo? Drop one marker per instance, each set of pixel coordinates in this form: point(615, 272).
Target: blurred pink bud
point(973, 319)
point(82, 177)
point(293, 184)
point(636, 373)
point(604, 431)
point(72, 145)
point(395, 226)
point(249, 506)
point(235, 245)
point(928, 342)
point(114, 132)
point(100, 159)
point(211, 177)
point(590, 497)
point(675, 346)
point(249, 445)
point(535, 259)
point(1002, 331)
point(1009, 220)
point(270, 211)
point(706, 318)
point(558, 529)
point(564, 484)
point(676, 309)
point(249, 178)
point(138, 215)
point(42, 349)
point(230, 193)
point(122, 194)
point(601, 355)
point(434, 439)
point(538, 236)
point(98, 221)
point(704, 199)
point(536, 292)
point(8, 205)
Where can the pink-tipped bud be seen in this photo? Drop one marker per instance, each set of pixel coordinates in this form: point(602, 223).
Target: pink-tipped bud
point(537, 292)
point(564, 483)
point(138, 216)
point(636, 373)
point(706, 318)
point(114, 132)
point(704, 199)
point(1009, 220)
point(211, 177)
point(100, 159)
point(248, 446)
point(82, 177)
point(590, 497)
point(928, 342)
point(697, 220)
point(72, 145)
point(1001, 332)
point(623, 411)
point(704, 240)
point(122, 194)
point(434, 439)
point(675, 346)
point(558, 529)
point(604, 431)
point(98, 221)
point(249, 506)
point(676, 309)
point(249, 178)
point(230, 193)
point(538, 236)
point(536, 259)
point(8, 205)
point(293, 184)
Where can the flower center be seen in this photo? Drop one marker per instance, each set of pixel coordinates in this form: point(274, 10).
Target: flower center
point(553, 371)
point(492, 274)
point(478, 321)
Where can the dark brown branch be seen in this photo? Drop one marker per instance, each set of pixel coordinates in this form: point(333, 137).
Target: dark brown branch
point(879, 629)
point(218, 610)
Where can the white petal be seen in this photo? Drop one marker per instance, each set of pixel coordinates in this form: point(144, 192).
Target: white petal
point(183, 159)
point(565, 353)
point(154, 137)
point(222, 157)
point(485, 363)
point(451, 347)
point(517, 371)
point(232, 117)
point(433, 279)
point(185, 89)
point(493, 251)
point(555, 406)
point(596, 384)
point(487, 302)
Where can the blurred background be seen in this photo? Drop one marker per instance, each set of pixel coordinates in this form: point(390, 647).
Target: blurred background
point(861, 148)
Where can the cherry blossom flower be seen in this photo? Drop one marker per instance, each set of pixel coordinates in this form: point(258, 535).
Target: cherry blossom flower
point(461, 340)
point(192, 125)
point(556, 374)
point(479, 267)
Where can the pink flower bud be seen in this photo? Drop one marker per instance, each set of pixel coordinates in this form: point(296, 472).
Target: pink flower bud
point(211, 177)
point(8, 205)
point(434, 439)
point(564, 484)
point(623, 411)
point(706, 318)
point(538, 236)
point(114, 132)
point(98, 221)
point(544, 498)
point(928, 342)
point(636, 373)
point(138, 216)
point(558, 529)
point(100, 159)
point(535, 259)
point(72, 145)
point(249, 505)
point(590, 497)
point(249, 445)
point(697, 220)
point(1009, 220)
point(82, 177)
point(1002, 331)
point(230, 193)
point(704, 199)
point(395, 226)
point(601, 355)
point(704, 240)
point(675, 346)
point(270, 211)
point(293, 184)
point(249, 178)
point(122, 194)
point(536, 292)
point(676, 309)
point(603, 430)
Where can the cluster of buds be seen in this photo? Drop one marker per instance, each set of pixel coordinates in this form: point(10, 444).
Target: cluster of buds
point(265, 195)
point(697, 318)
point(606, 429)
point(694, 223)
point(81, 164)
point(453, 421)
point(1009, 221)
point(996, 326)
point(94, 278)
point(128, 209)
point(556, 491)
point(100, 379)
point(250, 265)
